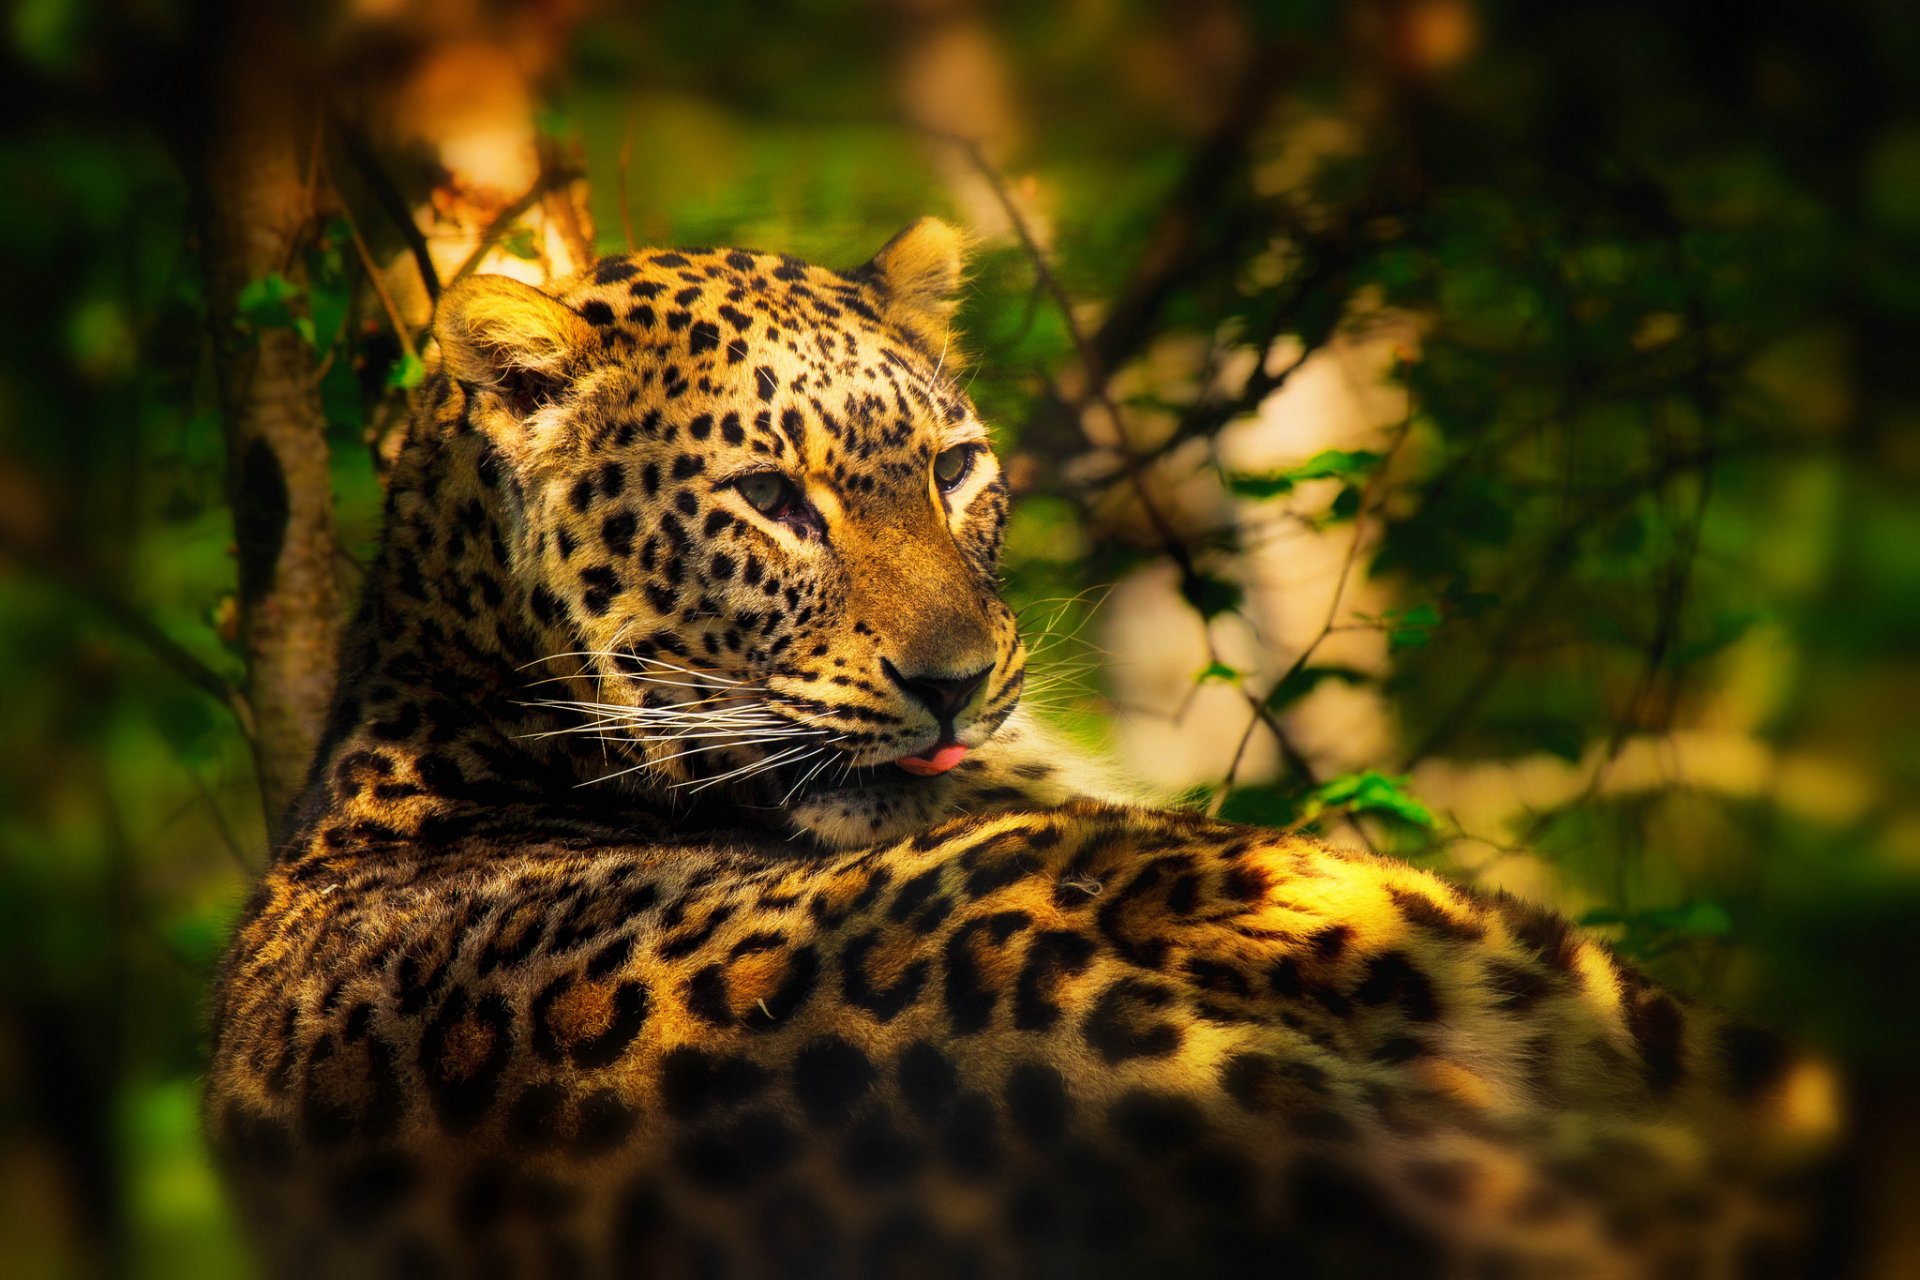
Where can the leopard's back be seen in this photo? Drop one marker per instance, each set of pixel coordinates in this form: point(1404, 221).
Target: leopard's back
point(1090, 1039)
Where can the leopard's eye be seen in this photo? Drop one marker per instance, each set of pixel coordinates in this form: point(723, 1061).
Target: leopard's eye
point(954, 465)
point(778, 498)
point(769, 493)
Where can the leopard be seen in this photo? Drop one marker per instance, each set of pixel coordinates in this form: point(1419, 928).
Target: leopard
point(682, 888)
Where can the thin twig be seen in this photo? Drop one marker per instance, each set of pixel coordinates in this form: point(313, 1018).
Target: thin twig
point(1552, 561)
point(1219, 799)
point(504, 220)
point(1261, 714)
point(1083, 347)
point(400, 329)
point(361, 152)
point(1707, 405)
point(1367, 495)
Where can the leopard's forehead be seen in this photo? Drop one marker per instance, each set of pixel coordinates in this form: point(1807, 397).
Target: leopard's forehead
point(686, 289)
point(802, 349)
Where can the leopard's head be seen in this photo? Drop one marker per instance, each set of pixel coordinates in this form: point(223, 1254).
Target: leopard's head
point(755, 520)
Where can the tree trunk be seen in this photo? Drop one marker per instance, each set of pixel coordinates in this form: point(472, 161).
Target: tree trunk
point(260, 208)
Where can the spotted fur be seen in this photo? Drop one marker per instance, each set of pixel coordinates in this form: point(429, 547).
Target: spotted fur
point(611, 940)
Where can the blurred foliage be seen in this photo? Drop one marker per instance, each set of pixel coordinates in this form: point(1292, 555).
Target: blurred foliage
point(1658, 459)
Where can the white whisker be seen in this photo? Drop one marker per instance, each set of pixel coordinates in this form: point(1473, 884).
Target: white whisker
point(691, 751)
point(759, 766)
point(634, 657)
point(808, 776)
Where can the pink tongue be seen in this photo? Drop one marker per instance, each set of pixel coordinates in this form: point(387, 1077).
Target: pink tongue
point(939, 762)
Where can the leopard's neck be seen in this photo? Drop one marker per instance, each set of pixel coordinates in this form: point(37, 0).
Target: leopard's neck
point(439, 717)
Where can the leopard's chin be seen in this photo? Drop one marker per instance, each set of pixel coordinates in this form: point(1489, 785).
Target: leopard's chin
point(873, 805)
point(876, 783)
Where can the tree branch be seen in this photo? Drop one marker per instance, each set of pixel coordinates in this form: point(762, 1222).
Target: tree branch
point(1083, 347)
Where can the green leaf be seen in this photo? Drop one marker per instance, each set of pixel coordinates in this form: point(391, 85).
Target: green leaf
point(329, 288)
point(406, 373)
point(1337, 464)
point(1708, 918)
point(1275, 484)
point(327, 305)
point(267, 303)
point(1328, 464)
point(1217, 672)
point(1410, 629)
point(1371, 791)
point(519, 242)
point(1650, 933)
point(1264, 805)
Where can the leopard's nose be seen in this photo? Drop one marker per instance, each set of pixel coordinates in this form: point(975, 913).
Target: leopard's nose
point(944, 696)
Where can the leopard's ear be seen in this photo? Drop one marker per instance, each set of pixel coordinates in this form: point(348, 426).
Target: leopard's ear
point(501, 335)
point(918, 275)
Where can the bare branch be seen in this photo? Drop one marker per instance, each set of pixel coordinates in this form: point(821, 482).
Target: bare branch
point(372, 268)
point(1170, 542)
point(1083, 347)
point(391, 202)
point(130, 622)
